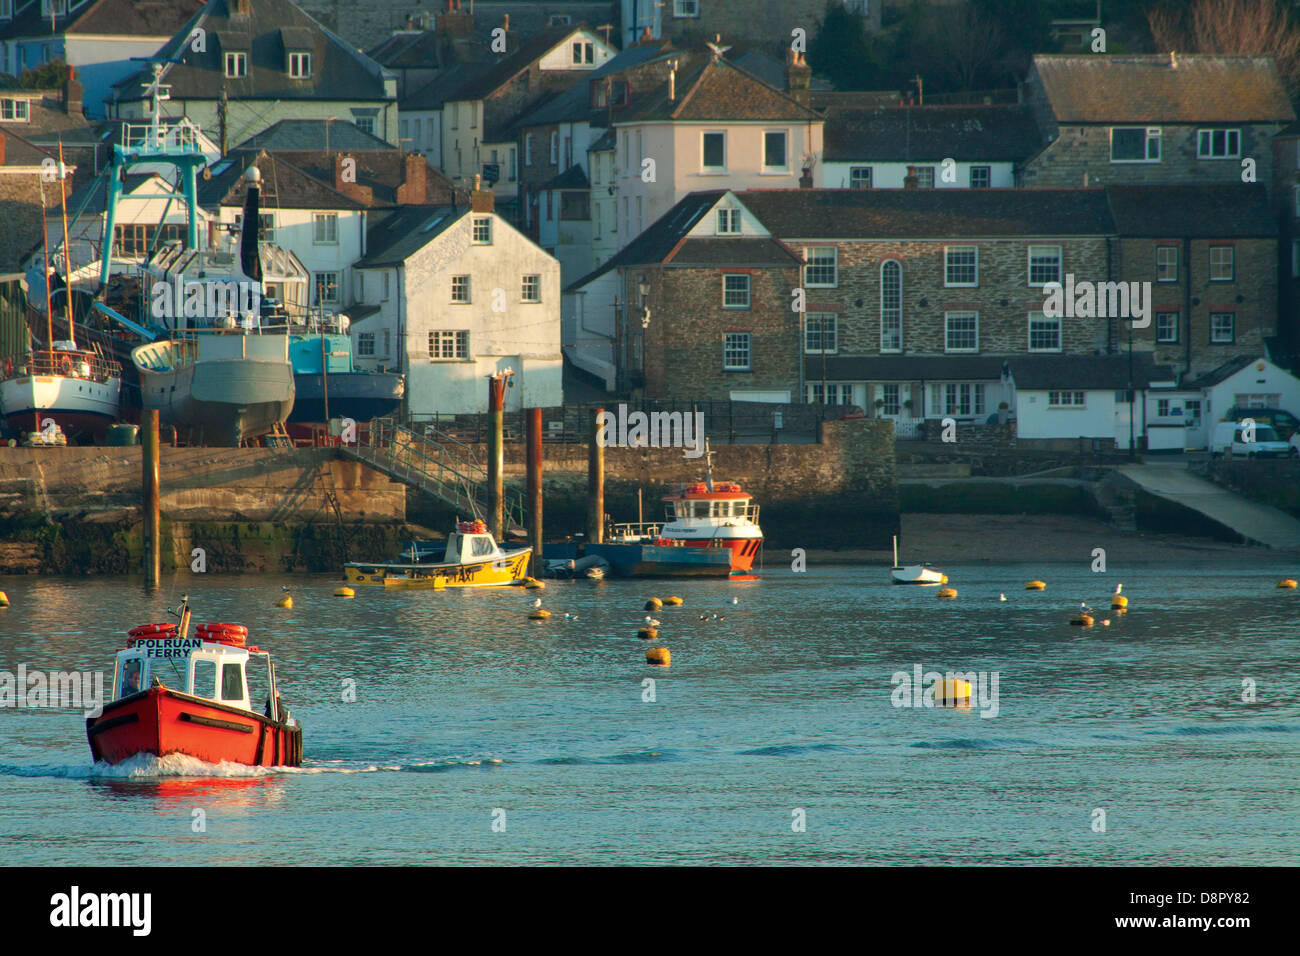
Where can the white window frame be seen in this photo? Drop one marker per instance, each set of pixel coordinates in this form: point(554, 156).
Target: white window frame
point(20, 110)
point(733, 294)
point(988, 173)
point(530, 288)
point(734, 343)
point(321, 298)
point(1074, 399)
point(828, 325)
point(1040, 319)
point(455, 341)
point(300, 66)
point(1205, 143)
point(705, 169)
point(325, 228)
point(1231, 263)
point(834, 283)
point(1163, 338)
point(686, 8)
point(239, 60)
point(1215, 338)
point(1029, 265)
point(948, 317)
point(891, 313)
point(481, 231)
point(785, 137)
point(465, 287)
point(949, 265)
point(929, 175)
point(859, 181)
point(1152, 135)
point(728, 222)
point(1163, 253)
point(365, 345)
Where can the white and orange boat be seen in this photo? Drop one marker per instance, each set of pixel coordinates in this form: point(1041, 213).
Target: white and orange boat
point(173, 693)
point(714, 514)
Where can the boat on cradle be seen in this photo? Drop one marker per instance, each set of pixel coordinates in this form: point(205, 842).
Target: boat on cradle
point(75, 390)
point(173, 693)
point(327, 383)
point(914, 573)
point(471, 558)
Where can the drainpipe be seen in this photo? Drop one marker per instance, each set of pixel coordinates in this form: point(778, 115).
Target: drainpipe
point(1187, 304)
point(1110, 276)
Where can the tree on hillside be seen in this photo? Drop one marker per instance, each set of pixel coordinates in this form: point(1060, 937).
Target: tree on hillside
point(1240, 27)
point(47, 76)
point(841, 51)
point(959, 48)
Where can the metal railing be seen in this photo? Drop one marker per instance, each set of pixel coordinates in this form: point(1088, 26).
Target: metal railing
point(88, 367)
point(443, 468)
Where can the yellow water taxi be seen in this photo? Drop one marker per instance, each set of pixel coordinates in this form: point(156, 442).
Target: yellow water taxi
point(471, 558)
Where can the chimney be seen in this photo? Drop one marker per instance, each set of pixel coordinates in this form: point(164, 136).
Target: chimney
point(646, 36)
point(910, 180)
point(415, 180)
point(481, 200)
point(806, 177)
point(350, 187)
point(72, 93)
point(798, 78)
point(455, 22)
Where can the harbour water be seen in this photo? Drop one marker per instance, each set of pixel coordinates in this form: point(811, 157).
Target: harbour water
point(478, 736)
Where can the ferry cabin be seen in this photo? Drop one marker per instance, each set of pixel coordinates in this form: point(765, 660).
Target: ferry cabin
point(214, 672)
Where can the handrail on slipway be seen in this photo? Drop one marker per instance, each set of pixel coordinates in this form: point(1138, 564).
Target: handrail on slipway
point(435, 466)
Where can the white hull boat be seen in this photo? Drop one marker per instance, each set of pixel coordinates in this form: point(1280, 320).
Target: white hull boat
point(914, 573)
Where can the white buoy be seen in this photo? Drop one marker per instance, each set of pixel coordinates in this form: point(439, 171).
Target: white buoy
point(735, 600)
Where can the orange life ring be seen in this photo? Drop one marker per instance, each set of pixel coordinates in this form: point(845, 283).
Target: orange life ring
point(149, 630)
point(65, 365)
point(216, 627)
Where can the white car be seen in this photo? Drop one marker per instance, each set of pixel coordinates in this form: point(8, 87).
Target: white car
point(1256, 441)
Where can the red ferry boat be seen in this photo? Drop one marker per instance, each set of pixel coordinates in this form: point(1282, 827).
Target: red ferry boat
point(711, 514)
point(173, 693)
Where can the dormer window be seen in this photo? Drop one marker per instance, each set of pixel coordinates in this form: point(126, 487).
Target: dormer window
point(728, 222)
point(236, 65)
point(14, 111)
point(299, 66)
point(583, 52)
point(54, 8)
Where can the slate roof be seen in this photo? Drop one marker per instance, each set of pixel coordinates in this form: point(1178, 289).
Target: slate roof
point(711, 89)
point(571, 178)
point(1223, 372)
point(1239, 210)
point(21, 152)
point(437, 91)
point(1086, 88)
point(916, 133)
point(759, 252)
point(929, 213)
point(414, 50)
point(1036, 372)
point(574, 104)
point(95, 194)
point(284, 186)
point(300, 134)
point(381, 170)
point(397, 237)
point(124, 18)
point(338, 71)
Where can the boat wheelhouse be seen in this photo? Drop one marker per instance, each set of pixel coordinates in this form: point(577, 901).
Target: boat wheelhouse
point(717, 515)
point(471, 558)
point(173, 693)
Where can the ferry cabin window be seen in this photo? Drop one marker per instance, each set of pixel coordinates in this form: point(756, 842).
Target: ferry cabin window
point(232, 682)
point(130, 677)
point(205, 679)
point(481, 545)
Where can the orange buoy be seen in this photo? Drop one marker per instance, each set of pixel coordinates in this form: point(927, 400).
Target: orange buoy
point(658, 655)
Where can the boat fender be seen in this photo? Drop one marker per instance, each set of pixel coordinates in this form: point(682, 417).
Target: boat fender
point(947, 593)
point(658, 655)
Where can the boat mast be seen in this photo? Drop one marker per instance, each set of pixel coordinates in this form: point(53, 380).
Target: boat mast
point(708, 466)
point(67, 249)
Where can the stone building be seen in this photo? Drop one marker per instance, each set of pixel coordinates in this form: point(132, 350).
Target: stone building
point(1167, 119)
point(21, 191)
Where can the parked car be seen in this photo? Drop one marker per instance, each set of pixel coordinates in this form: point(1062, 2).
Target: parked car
point(1265, 442)
point(1295, 445)
point(1283, 422)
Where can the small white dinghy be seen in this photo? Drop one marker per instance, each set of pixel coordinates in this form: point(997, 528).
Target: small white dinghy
point(914, 573)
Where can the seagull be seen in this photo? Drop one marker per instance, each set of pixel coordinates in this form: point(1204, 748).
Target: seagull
point(704, 617)
point(282, 588)
point(713, 617)
point(1118, 588)
point(1002, 597)
point(735, 600)
point(537, 603)
point(650, 622)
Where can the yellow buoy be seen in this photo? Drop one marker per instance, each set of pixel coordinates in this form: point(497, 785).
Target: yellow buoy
point(673, 601)
point(285, 601)
point(658, 655)
point(1035, 586)
point(653, 604)
point(1286, 583)
point(539, 614)
point(345, 593)
point(1118, 602)
point(947, 593)
point(647, 633)
point(952, 691)
point(1082, 620)
point(4, 599)
point(533, 584)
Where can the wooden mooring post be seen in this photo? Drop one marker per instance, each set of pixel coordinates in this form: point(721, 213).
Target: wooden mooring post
point(595, 482)
point(496, 452)
point(533, 490)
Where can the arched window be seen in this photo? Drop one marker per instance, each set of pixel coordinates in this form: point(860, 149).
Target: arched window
point(891, 306)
